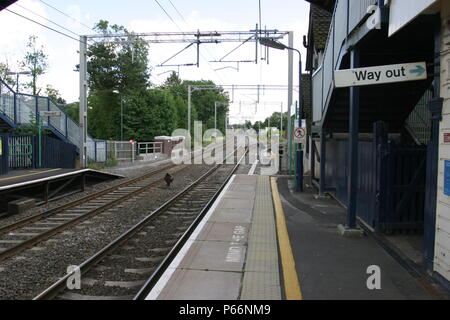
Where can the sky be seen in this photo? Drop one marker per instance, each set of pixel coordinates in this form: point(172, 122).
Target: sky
point(147, 16)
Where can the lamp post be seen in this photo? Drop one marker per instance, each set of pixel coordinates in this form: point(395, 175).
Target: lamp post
point(268, 42)
point(10, 73)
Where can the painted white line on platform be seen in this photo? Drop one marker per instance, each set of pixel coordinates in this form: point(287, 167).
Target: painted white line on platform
point(162, 282)
point(252, 170)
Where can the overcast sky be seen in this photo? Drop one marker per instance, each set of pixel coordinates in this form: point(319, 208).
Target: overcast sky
point(147, 16)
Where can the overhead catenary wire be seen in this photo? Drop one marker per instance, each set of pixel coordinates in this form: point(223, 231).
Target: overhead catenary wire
point(179, 28)
point(209, 64)
point(179, 13)
point(67, 15)
point(48, 20)
point(168, 15)
point(43, 25)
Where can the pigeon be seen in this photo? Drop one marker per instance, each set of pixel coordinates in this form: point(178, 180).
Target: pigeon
point(168, 179)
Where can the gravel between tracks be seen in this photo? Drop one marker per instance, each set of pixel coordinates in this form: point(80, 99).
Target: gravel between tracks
point(128, 173)
point(25, 276)
point(154, 243)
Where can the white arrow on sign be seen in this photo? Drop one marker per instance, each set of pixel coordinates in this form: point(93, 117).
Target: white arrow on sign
point(381, 74)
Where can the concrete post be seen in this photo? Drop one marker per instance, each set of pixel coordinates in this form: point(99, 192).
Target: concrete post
point(83, 102)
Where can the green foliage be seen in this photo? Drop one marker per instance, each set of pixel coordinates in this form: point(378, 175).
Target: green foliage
point(4, 68)
point(35, 61)
point(73, 111)
point(275, 121)
point(54, 94)
point(118, 80)
point(31, 128)
point(120, 88)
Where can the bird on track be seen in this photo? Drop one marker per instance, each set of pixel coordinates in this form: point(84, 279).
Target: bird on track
point(168, 179)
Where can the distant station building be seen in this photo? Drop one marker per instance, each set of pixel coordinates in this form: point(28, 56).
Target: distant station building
point(380, 143)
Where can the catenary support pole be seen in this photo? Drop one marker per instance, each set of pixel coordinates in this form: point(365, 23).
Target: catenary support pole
point(353, 146)
point(189, 109)
point(83, 102)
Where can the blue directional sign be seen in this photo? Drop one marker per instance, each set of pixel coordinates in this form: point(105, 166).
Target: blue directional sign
point(447, 178)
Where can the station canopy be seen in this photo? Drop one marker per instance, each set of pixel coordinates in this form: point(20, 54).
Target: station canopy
point(324, 4)
point(6, 3)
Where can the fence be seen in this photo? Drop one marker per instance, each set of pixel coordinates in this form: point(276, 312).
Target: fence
point(18, 109)
point(150, 147)
point(57, 153)
point(121, 150)
point(22, 152)
point(3, 155)
point(391, 185)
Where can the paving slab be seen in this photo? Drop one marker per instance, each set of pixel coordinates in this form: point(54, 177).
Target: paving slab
point(202, 285)
point(217, 256)
point(234, 255)
point(220, 231)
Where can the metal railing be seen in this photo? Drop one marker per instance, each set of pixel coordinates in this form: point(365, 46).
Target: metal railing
point(419, 121)
point(347, 15)
point(22, 109)
point(121, 151)
point(150, 147)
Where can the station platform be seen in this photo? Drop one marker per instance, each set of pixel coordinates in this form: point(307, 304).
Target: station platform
point(262, 241)
point(47, 184)
point(18, 178)
point(233, 254)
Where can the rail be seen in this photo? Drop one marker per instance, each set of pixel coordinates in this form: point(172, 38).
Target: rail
point(60, 285)
point(79, 218)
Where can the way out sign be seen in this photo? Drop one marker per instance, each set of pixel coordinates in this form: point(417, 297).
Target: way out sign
point(381, 74)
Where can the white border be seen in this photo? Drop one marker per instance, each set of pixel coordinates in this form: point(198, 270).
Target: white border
point(11, 186)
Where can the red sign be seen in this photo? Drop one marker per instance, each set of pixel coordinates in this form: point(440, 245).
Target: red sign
point(447, 137)
point(299, 133)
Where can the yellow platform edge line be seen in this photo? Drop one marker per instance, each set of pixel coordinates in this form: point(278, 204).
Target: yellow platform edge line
point(291, 282)
point(29, 174)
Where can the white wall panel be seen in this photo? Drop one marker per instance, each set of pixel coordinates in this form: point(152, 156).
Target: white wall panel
point(404, 11)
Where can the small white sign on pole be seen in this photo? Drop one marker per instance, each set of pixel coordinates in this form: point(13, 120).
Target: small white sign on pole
point(50, 113)
point(380, 74)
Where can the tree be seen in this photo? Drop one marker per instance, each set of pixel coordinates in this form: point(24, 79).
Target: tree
point(275, 121)
point(118, 76)
point(36, 62)
point(205, 102)
point(72, 110)
point(54, 94)
point(4, 69)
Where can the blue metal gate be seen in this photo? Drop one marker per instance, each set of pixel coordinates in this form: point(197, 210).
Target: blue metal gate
point(3, 155)
point(391, 186)
point(57, 153)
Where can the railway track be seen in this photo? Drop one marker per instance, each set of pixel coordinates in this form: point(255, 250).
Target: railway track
point(129, 266)
point(26, 233)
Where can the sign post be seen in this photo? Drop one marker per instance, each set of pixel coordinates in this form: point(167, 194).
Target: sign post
point(380, 74)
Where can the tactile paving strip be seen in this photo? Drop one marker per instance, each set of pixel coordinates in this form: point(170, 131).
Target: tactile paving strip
point(261, 277)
